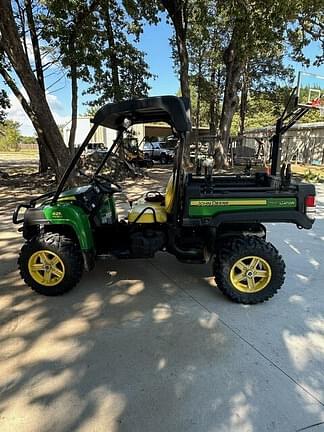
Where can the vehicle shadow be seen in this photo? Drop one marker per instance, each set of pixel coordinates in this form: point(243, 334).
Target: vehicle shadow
point(130, 350)
point(151, 345)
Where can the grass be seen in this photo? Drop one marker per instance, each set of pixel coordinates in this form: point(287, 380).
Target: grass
point(19, 155)
point(309, 173)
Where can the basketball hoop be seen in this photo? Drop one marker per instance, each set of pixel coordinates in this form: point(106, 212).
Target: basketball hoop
point(315, 102)
point(318, 103)
point(310, 91)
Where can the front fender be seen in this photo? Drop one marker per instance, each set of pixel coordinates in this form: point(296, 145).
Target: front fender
point(69, 214)
point(63, 214)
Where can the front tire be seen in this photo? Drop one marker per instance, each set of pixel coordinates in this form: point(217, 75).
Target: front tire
point(51, 264)
point(249, 270)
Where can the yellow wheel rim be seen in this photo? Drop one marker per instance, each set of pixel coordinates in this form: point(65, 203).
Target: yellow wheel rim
point(46, 268)
point(250, 274)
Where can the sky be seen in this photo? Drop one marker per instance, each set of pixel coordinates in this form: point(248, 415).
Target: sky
point(155, 43)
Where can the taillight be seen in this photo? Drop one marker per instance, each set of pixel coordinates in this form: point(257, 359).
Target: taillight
point(310, 206)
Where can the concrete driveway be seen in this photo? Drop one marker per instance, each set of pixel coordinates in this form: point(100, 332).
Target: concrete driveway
point(151, 345)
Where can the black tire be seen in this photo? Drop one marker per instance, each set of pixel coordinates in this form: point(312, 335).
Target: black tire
point(163, 159)
point(150, 164)
point(235, 249)
point(66, 249)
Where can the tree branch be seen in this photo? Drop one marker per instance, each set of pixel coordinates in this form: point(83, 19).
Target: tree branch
point(13, 87)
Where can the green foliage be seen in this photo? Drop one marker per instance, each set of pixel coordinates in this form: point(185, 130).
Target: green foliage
point(91, 110)
point(264, 109)
point(262, 112)
point(4, 104)
point(120, 70)
point(28, 139)
point(9, 136)
point(69, 28)
point(307, 27)
point(252, 38)
point(100, 43)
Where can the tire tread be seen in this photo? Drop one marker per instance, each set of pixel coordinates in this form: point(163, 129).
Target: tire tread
point(68, 250)
point(239, 245)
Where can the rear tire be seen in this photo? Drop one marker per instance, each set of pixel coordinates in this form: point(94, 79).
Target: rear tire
point(249, 270)
point(51, 264)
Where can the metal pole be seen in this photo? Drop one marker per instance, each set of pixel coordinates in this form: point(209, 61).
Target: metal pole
point(276, 149)
point(73, 162)
point(179, 164)
point(104, 160)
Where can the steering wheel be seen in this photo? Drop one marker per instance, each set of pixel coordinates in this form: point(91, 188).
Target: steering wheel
point(100, 182)
point(99, 179)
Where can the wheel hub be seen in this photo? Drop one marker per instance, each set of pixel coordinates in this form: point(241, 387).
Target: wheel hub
point(46, 268)
point(250, 274)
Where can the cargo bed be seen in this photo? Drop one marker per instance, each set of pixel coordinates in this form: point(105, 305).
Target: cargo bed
point(254, 199)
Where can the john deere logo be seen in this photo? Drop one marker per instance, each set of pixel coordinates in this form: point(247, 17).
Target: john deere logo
point(289, 202)
point(237, 202)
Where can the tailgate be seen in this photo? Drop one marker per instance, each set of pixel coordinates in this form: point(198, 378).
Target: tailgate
point(252, 205)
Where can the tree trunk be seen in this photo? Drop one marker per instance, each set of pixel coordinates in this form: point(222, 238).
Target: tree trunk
point(212, 103)
point(184, 81)
point(184, 63)
point(178, 11)
point(42, 147)
point(35, 44)
point(80, 16)
point(215, 80)
point(39, 109)
point(113, 57)
point(43, 161)
point(117, 93)
point(198, 108)
point(244, 101)
point(233, 66)
point(74, 102)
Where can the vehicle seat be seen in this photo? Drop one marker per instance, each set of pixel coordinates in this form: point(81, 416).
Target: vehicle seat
point(143, 210)
point(169, 194)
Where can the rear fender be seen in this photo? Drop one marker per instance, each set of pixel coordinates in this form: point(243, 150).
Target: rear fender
point(234, 230)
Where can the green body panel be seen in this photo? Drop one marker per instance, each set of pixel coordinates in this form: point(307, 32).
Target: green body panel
point(107, 211)
point(213, 206)
point(66, 213)
point(113, 208)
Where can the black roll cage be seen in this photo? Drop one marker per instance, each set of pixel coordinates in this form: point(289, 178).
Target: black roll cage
point(174, 111)
point(119, 116)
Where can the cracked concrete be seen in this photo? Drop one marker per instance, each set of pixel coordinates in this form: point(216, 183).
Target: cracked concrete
point(152, 345)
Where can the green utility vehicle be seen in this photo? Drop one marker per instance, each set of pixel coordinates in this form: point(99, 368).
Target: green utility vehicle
point(200, 216)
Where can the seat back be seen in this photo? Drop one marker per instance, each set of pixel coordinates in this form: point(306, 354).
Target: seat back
point(169, 194)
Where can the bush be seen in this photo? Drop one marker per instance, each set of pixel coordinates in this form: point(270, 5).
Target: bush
point(9, 136)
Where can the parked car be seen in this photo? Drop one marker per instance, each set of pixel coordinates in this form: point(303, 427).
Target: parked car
point(160, 151)
point(95, 147)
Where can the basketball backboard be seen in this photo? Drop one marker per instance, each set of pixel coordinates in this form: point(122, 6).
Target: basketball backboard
point(310, 91)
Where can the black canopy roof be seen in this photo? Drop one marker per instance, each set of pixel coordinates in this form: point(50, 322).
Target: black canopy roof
point(170, 109)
